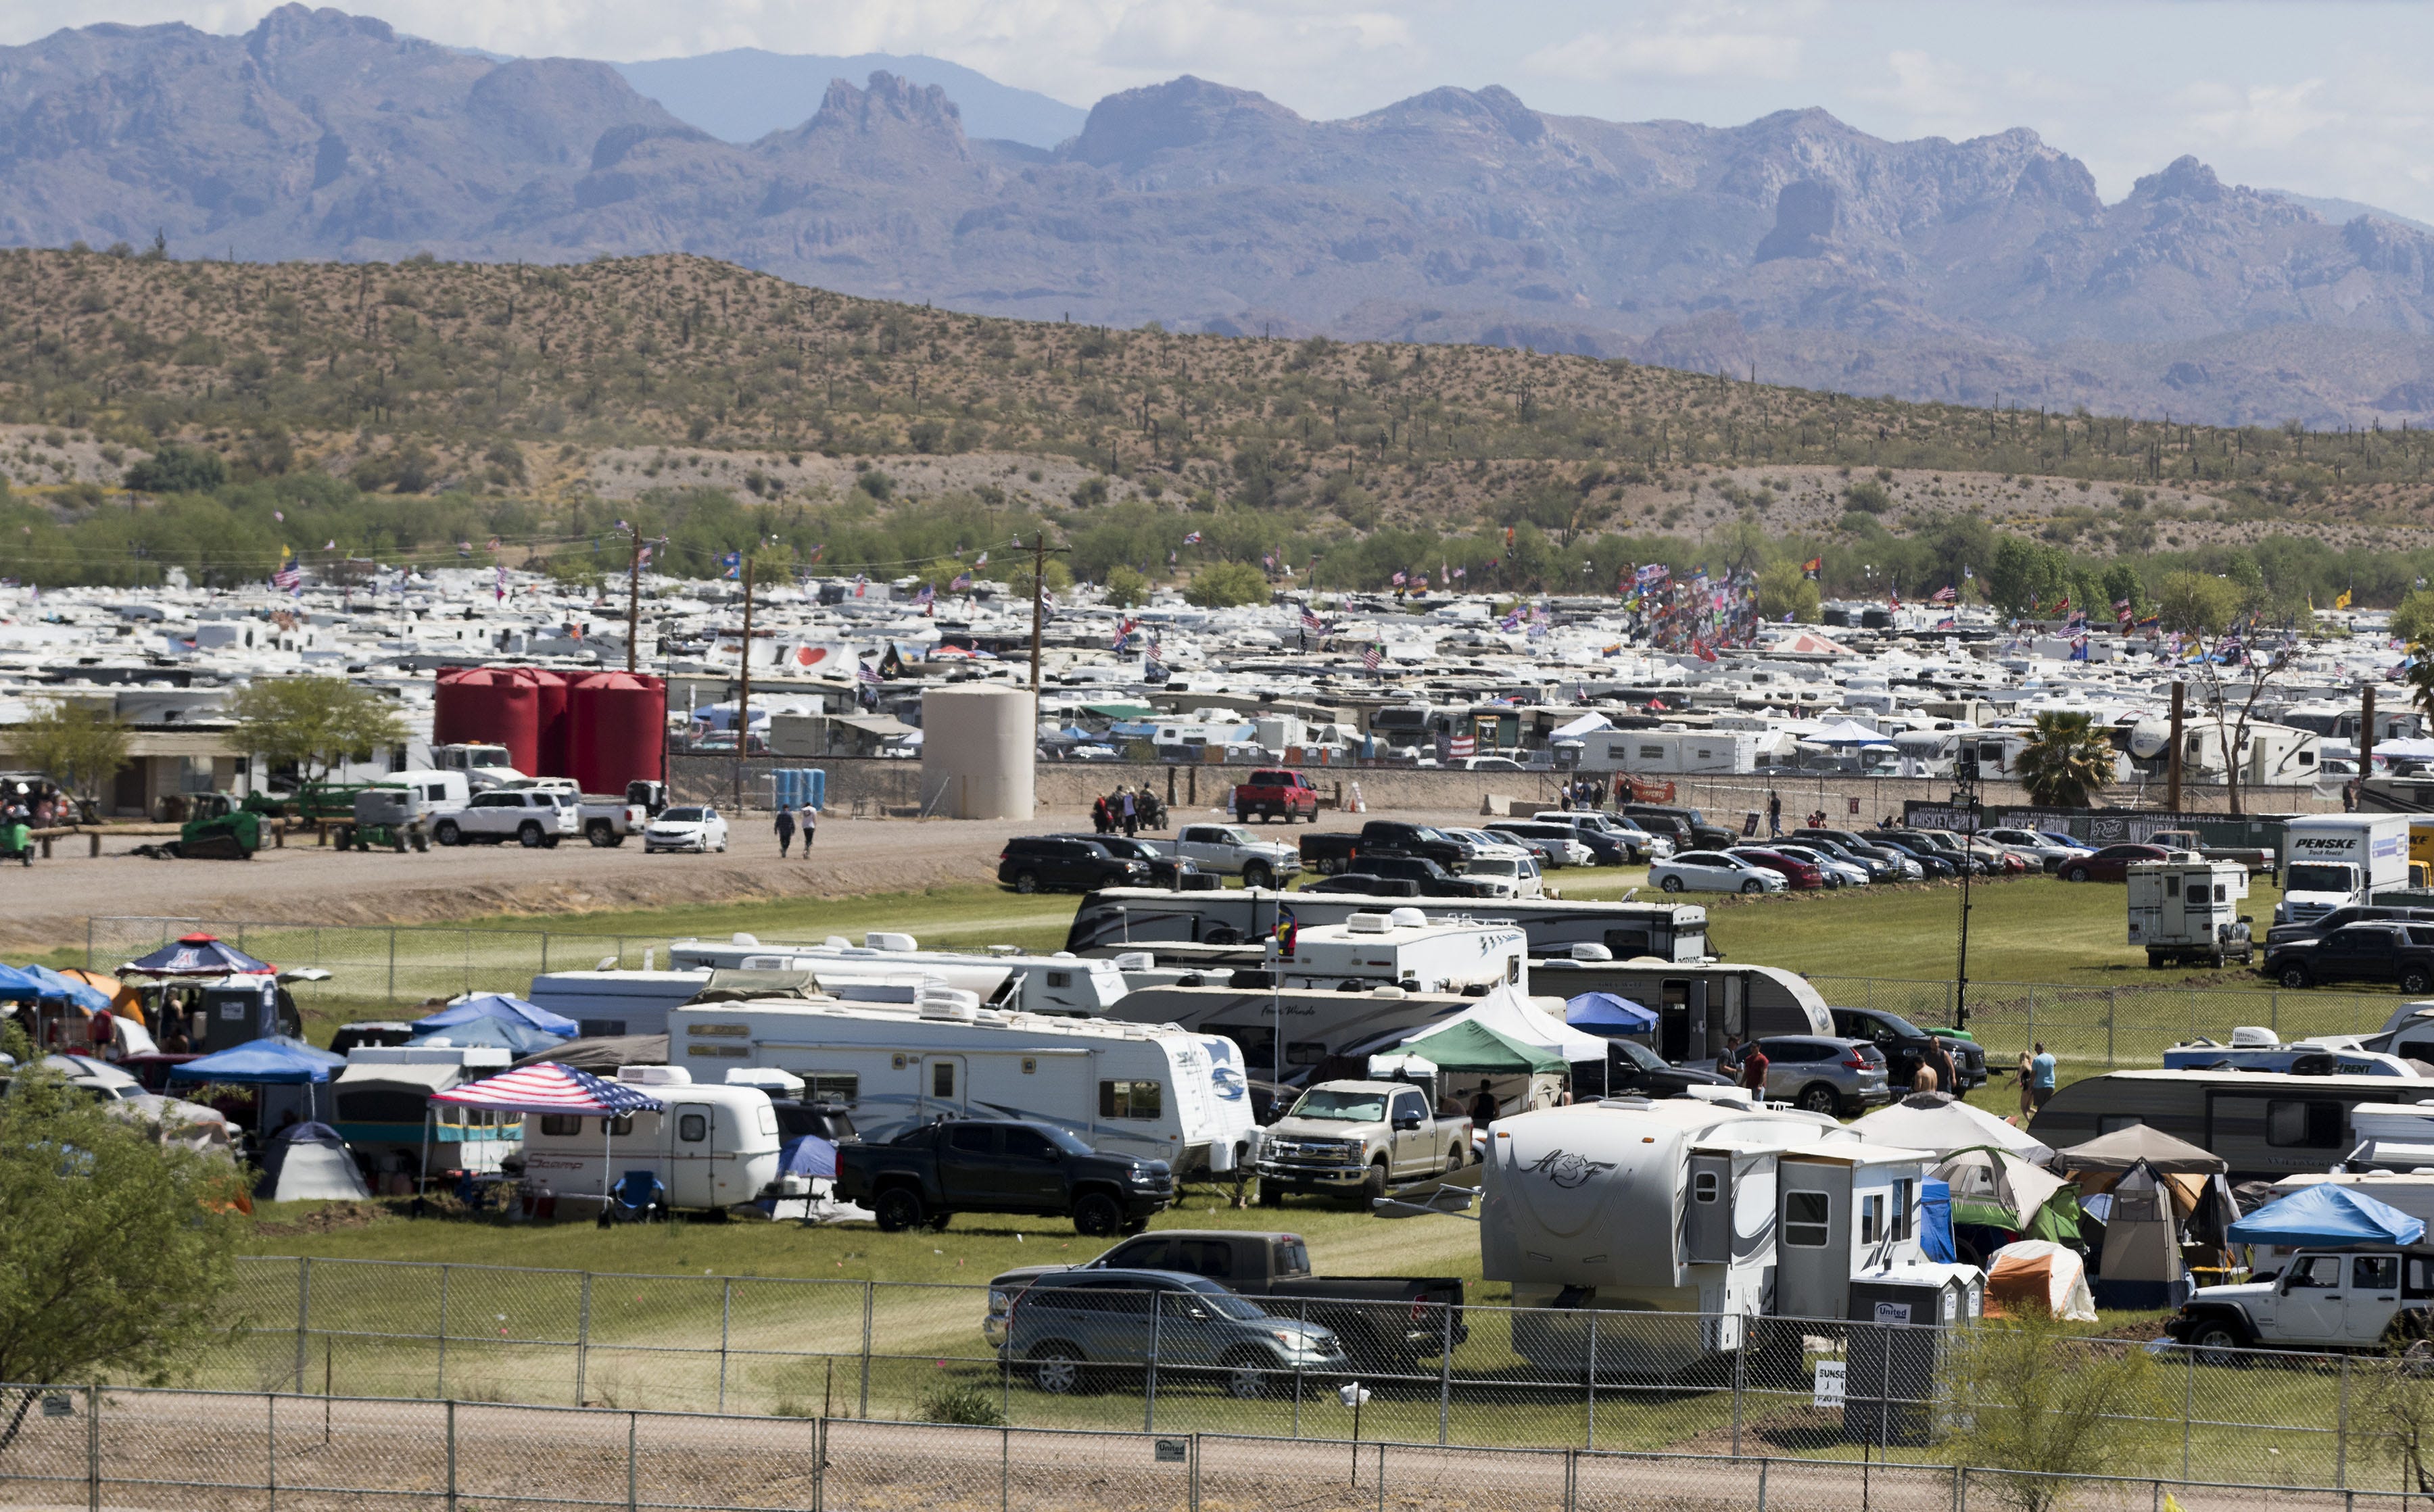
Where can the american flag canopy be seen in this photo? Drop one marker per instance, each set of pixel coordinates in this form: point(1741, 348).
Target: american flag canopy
point(549, 1088)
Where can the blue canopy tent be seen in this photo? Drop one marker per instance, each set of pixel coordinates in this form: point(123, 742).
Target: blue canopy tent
point(83, 995)
point(23, 985)
point(808, 1156)
point(498, 1006)
point(274, 1061)
point(1608, 1014)
point(520, 1039)
point(194, 955)
point(2326, 1215)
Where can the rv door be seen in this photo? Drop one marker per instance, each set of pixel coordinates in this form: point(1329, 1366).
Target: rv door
point(1707, 1221)
point(692, 1159)
point(1813, 1277)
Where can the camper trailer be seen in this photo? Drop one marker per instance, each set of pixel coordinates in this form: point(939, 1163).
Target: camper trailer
point(1318, 1023)
point(1155, 1092)
point(1713, 1210)
point(1122, 919)
point(710, 1146)
point(1674, 750)
point(1003, 977)
point(1696, 1006)
point(2187, 908)
point(2266, 1125)
point(385, 1114)
point(616, 1002)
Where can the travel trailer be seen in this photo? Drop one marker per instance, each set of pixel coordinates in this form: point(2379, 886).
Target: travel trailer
point(2266, 1125)
point(1119, 919)
point(1676, 750)
point(1697, 1005)
point(1319, 1023)
point(1156, 1093)
point(1407, 948)
point(2254, 1047)
point(384, 1112)
point(616, 1002)
point(1003, 977)
point(710, 1146)
point(1672, 1222)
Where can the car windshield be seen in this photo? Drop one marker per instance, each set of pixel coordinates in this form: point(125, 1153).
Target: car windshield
point(1900, 1026)
point(1064, 1139)
point(1435, 835)
point(1342, 1107)
point(681, 816)
point(1225, 1303)
point(1638, 1055)
point(1495, 866)
point(2317, 878)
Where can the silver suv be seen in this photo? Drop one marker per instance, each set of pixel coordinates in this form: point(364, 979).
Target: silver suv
point(1820, 1074)
point(1074, 1330)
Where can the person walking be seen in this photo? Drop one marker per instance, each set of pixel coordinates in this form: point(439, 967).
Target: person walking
point(2021, 1076)
point(1132, 812)
point(811, 823)
point(1774, 814)
point(786, 832)
point(1100, 820)
point(1484, 1107)
point(1753, 1069)
point(2041, 1077)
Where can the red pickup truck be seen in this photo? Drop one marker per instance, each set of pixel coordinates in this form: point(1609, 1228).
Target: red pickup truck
point(1274, 794)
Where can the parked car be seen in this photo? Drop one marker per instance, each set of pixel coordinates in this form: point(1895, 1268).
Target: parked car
point(1599, 846)
point(1948, 846)
point(1905, 1045)
point(1800, 875)
point(1076, 1331)
point(1229, 850)
point(931, 1172)
point(529, 819)
point(1552, 847)
point(2342, 1298)
point(1276, 794)
point(1618, 843)
point(1688, 828)
point(684, 828)
point(2347, 914)
point(2111, 864)
point(1824, 1074)
point(1336, 851)
point(1633, 1067)
point(1884, 863)
point(1038, 863)
point(1358, 1138)
point(1715, 871)
point(2031, 843)
point(1931, 862)
point(2377, 952)
point(1839, 871)
point(1164, 870)
point(1514, 876)
point(1385, 1322)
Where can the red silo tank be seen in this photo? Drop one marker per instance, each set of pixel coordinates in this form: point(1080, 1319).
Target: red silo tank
point(551, 717)
point(616, 723)
point(488, 706)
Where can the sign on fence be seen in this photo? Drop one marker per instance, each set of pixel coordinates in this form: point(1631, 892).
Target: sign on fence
point(1828, 1391)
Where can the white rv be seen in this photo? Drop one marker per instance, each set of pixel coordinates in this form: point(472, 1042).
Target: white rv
point(1117, 920)
point(1156, 1093)
point(2187, 908)
point(1709, 1209)
point(616, 1002)
point(1674, 750)
point(1409, 949)
point(1003, 977)
point(712, 1146)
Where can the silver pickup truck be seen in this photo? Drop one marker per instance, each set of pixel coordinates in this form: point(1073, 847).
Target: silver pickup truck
point(1357, 1139)
point(1230, 850)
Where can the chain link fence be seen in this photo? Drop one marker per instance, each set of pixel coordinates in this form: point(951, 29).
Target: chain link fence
point(232, 1451)
point(1119, 1360)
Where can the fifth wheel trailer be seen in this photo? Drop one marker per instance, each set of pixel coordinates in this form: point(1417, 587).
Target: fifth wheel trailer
point(2267, 1125)
point(1116, 919)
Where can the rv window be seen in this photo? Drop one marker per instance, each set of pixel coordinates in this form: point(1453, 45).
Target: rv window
point(693, 1127)
point(561, 1125)
point(832, 1086)
point(1704, 1187)
point(1871, 1218)
point(2171, 886)
point(618, 1126)
point(2115, 1123)
point(1303, 1052)
point(1512, 970)
point(1626, 944)
point(1905, 1198)
point(2293, 1124)
point(592, 1028)
point(767, 1121)
point(942, 1078)
point(1131, 1100)
point(1060, 979)
point(1806, 1220)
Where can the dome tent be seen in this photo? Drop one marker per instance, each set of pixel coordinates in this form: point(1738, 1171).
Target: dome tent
point(308, 1163)
point(498, 1006)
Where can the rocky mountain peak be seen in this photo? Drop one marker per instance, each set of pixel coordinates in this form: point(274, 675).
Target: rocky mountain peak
point(1130, 128)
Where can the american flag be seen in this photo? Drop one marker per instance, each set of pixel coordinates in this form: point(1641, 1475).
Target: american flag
point(863, 671)
point(1124, 634)
point(963, 580)
point(1373, 657)
point(2121, 610)
point(288, 578)
point(1399, 580)
point(861, 585)
point(928, 595)
point(548, 1088)
point(1193, 539)
point(1942, 595)
point(1310, 621)
point(1460, 746)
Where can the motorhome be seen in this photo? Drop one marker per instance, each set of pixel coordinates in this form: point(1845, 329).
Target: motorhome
point(1158, 1093)
point(2267, 1125)
point(2269, 756)
point(710, 1145)
point(384, 1112)
point(1119, 919)
point(2254, 1047)
point(1697, 1005)
point(2330, 860)
point(1003, 977)
point(1711, 1210)
point(616, 1001)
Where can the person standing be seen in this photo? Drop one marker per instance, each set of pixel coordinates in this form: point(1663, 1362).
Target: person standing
point(786, 831)
point(1484, 1107)
point(1774, 814)
point(2021, 1076)
point(1947, 1074)
point(2041, 1077)
point(1753, 1069)
point(811, 821)
point(1132, 812)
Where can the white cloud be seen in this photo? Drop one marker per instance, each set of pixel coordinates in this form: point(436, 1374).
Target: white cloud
point(1701, 41)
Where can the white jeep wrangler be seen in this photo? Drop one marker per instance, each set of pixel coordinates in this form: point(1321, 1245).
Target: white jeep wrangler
point(2362, 1298)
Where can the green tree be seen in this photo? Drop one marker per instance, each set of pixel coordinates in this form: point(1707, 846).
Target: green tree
point(2025, 575)
point(1225, 585)
point(2067, 763)
point(80, 747)
point(177, 470)
point(2122, 585)
point(2027, 1395)
point(119, 1245)
point(1126, 588)
point(2413, 620)
point(313, 723)
point(1783, 588)
point(2196, 603)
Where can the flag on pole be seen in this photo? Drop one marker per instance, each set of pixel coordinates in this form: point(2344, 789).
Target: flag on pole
point(1943, 595)
point(1288, 931)
point(1193, 539)
point(864, 672)
point(1310, 621)
point(1400, 580)
point(731, 566)
point(1811, 567)
point(1372, 656)
point(963, 580)
point(2121, 611)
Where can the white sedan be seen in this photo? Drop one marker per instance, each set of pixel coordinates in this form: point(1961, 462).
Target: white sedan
point(1714, 872)
point(686, 829)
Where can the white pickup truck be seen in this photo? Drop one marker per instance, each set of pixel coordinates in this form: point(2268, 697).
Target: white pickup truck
point(1358, 1138)
point(602, 819)
point(1231, 851)
point(2321, 1298)
point(530, 819)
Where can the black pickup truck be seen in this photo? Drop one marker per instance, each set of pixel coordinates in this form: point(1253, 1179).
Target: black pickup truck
point(1339, 852)
point(1387, 1323)
point(928, 1174)
point(1432, 881)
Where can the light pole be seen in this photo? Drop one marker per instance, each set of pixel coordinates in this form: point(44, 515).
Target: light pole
point(1964, 795)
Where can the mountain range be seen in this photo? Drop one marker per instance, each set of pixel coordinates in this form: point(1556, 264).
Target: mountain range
point(1794, 248)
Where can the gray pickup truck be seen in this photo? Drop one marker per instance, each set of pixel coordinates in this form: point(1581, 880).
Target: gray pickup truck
point(1357, 1139)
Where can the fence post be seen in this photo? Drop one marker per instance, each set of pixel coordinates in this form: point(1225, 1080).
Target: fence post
point(2275, 1004)
point(1572, 1479)
point(452, 1457)
point(632, 1434)
point(582, 1337)
point(544, 952)
point(270, 1444)
point(2188, 1405)
point(1149, 1398)
point(1761, 1485)
point(819, 1464)
point(1589, 1439)
point(2033, 1014)
point(92, 1448)
point(303, 1315)
point(1192, 1491)
point(441, 1389)
point(2111, 1011)
point(725, 1311)
point(2341, 1431)
point(1004, 1468)
point(1740, 1357)
point(392, 963)
point(1445, 1375)
point(1381, 1477)
point(864, 1410)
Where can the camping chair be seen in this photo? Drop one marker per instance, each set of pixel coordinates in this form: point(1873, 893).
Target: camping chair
point(637, 1198)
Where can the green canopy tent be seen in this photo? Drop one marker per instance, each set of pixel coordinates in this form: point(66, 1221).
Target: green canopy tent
point(1471, 1047)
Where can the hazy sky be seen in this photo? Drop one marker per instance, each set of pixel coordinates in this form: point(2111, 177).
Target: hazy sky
point(2322, 96)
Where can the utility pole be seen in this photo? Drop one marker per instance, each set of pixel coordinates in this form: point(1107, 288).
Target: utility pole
point(1039, 550)
point(633, 598)
point(1964, 773)
point(2172, 761)
point(2366, 740)
point(744, 694)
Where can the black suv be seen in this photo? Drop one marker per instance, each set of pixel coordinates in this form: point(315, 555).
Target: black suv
point(1904, 1046)
point(2282, 934)
point(1164, 870)
point(1688, 828)
point(2379, 952)
point(1035, 863)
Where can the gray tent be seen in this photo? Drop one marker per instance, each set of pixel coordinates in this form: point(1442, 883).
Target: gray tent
point(308, 1163)
point(602, 1055)
point(2140, 1146)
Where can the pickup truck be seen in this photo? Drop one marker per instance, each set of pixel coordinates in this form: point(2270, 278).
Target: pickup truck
point(1385, 1322)
point(931, 1172)
point(2255, 858)
point(529, 819)
point(1336, 852)
point(602, 819)
point(2363, 1300)
point(1230, 851)
point(1433, 881)
point(1357, 1139)
point(1286, 795)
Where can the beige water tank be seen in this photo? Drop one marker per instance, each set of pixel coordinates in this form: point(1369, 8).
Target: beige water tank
point(977, 747)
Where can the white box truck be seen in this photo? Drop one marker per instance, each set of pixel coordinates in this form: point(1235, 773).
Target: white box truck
point(2329, 861)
